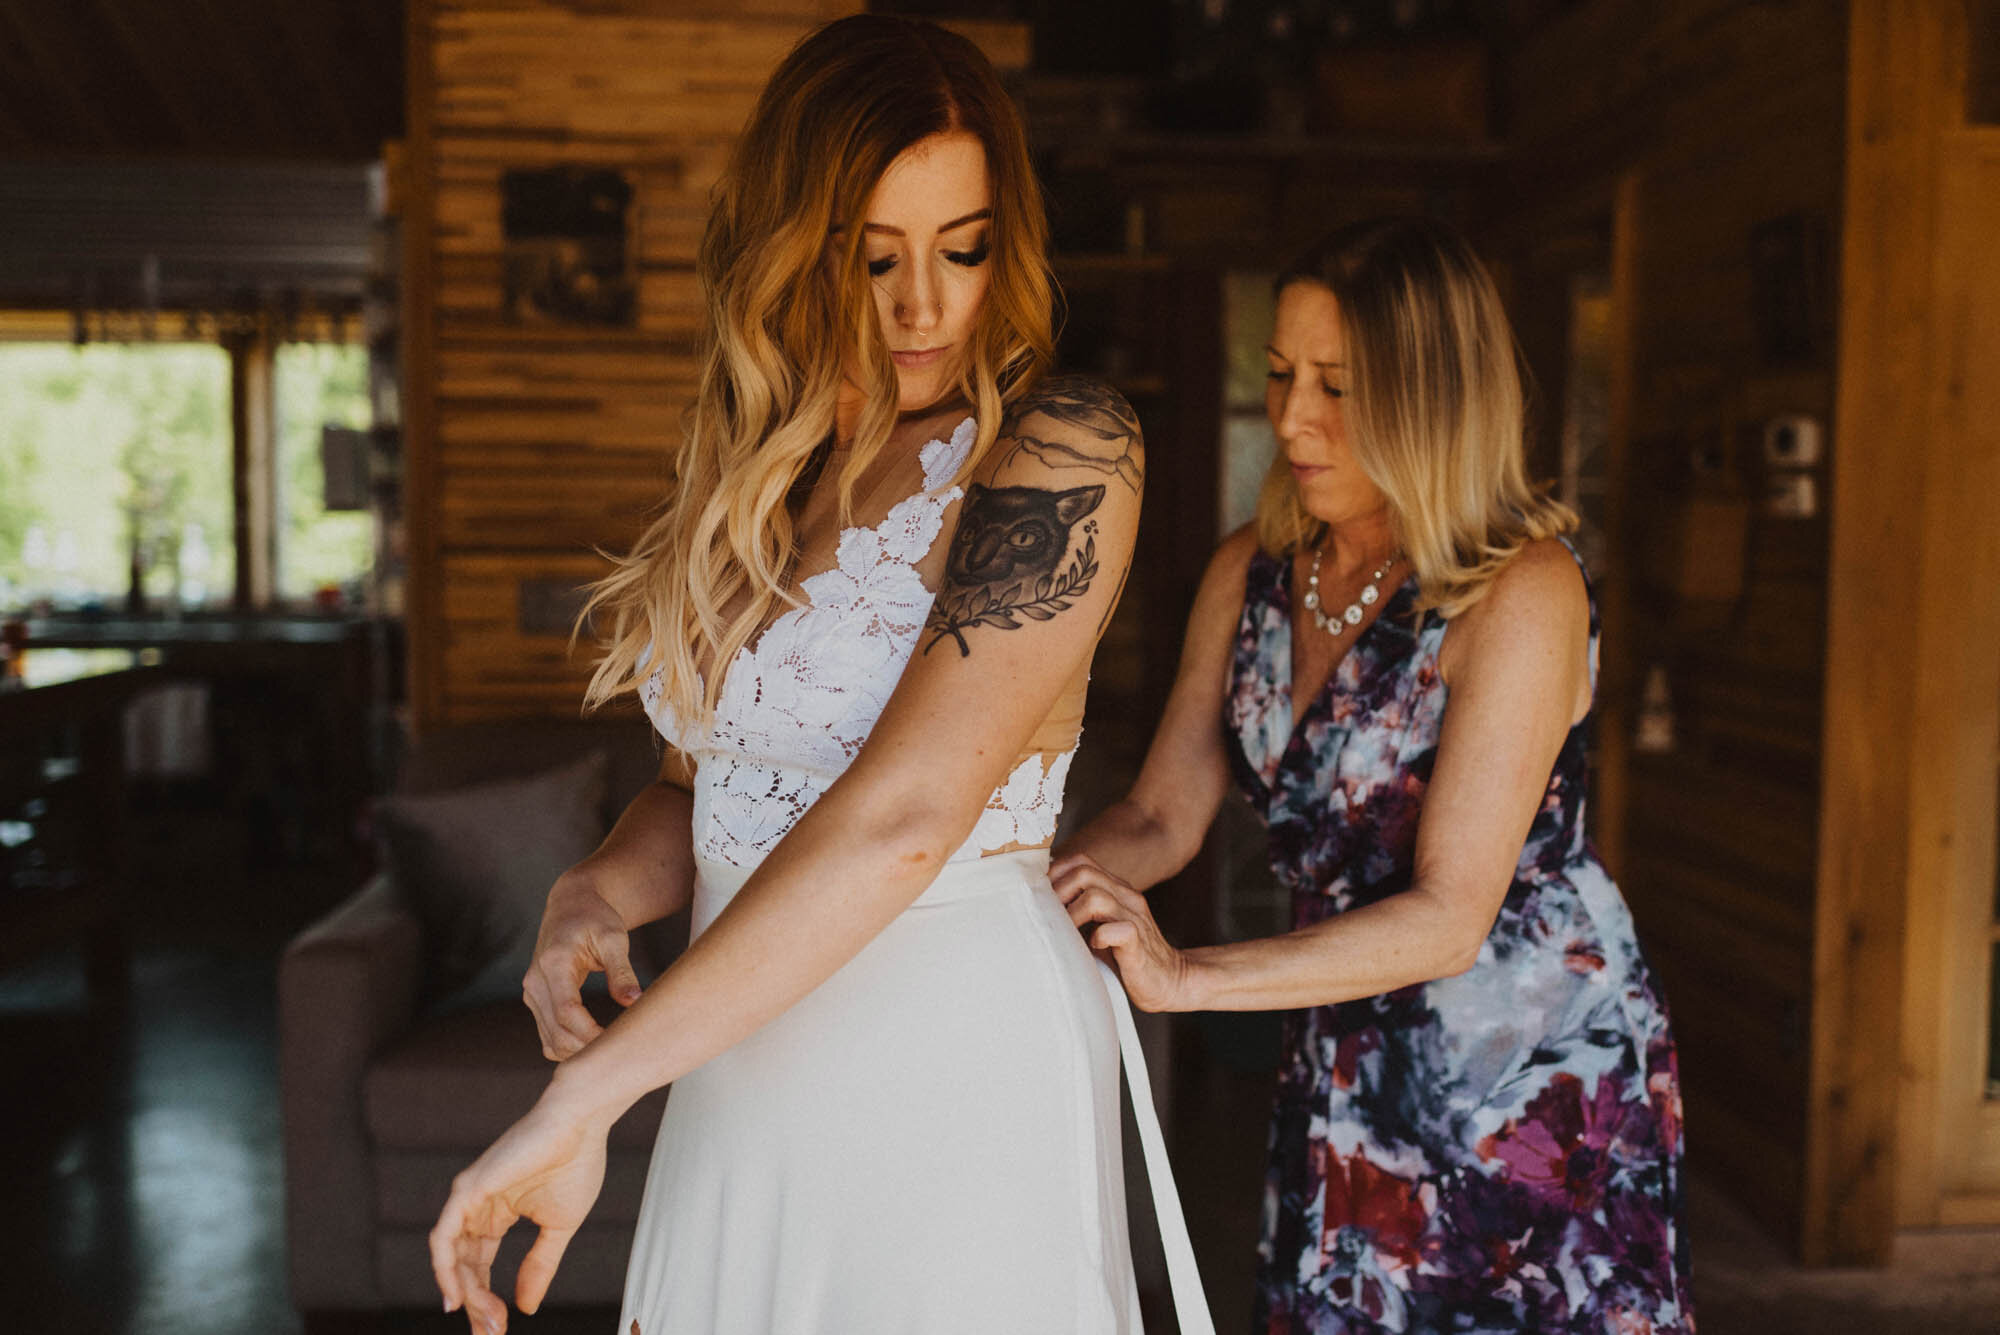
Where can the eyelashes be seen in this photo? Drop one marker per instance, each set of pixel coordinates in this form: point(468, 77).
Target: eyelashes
point(965, 259)
point(1331, 391)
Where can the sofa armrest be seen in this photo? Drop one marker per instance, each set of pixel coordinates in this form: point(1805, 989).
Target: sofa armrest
point(347, 986)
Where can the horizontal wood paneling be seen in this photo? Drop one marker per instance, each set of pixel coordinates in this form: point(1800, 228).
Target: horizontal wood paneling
point(494, 668)
point(545, 442)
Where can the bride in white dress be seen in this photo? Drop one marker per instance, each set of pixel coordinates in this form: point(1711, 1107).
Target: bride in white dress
point(863, 625)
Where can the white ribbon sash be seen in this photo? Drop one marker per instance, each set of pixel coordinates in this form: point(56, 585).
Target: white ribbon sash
point(1190, 1305)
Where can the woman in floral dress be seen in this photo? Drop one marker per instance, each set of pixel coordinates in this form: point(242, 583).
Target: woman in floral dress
point(1477, 1121)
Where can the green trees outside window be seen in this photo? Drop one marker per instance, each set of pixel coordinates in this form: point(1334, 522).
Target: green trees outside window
point(318, 384)
point(115, 462)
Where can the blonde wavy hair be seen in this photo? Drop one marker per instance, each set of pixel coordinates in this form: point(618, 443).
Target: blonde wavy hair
point(1433, 407)
point(783, 326)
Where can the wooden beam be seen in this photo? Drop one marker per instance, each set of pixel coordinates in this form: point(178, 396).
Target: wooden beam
point(1882, 437)
point(253, 469)
point(1949, 1141)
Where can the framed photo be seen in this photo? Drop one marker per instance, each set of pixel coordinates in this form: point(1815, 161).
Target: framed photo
point(567, 246)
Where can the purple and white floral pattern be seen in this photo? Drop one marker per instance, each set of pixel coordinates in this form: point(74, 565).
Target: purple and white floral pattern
point(1498, 1151)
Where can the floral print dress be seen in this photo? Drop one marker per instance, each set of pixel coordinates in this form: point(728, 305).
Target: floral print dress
point(1496, 1151)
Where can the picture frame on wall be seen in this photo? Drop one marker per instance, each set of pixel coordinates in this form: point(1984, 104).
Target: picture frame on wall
point(567, 252)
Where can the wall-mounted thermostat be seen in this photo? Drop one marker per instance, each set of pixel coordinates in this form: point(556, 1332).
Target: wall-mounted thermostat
point(1792, 441)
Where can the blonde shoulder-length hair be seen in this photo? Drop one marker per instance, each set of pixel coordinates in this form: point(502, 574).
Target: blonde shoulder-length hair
point(782, 325)
point(1433, 408)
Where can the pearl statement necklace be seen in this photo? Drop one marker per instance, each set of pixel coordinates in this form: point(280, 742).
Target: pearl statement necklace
point(1349, 616)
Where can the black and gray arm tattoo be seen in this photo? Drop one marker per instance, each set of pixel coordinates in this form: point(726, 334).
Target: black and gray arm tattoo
point(1007, 560)
point(1089, 408)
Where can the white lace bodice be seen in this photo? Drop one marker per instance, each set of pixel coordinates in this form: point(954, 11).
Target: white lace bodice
point(798, 702)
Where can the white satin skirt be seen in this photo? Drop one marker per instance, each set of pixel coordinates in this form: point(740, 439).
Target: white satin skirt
point(927, 1144)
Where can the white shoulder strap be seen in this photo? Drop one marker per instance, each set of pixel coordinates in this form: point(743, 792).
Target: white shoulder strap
point(1190, 1305)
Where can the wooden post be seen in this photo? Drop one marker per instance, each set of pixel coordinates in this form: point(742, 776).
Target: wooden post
point(1882, 503)
point(253, 466)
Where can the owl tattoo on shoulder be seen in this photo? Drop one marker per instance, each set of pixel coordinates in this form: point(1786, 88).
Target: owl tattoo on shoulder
point(1011, 559)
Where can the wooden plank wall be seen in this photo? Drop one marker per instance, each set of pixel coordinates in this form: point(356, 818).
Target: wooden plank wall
point(531, 444)
point(1711, 117)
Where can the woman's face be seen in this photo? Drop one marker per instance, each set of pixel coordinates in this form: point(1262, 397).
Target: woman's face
point(1303, 397)
point(925, 239)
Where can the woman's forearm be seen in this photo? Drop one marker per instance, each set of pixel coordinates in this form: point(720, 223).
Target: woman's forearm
point(1131, 843)
point(830, 886)
point(1411, 937)
point(644, 869)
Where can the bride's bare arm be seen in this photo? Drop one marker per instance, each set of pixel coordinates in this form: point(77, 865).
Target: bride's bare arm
point(1042, 546)
point(643, 871)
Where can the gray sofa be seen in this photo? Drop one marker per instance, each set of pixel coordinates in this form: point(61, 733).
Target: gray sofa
point(384, 1100)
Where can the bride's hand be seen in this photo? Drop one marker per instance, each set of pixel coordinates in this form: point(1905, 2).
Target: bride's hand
point(546, 1168)
point(581, 934)
point(1118, 924)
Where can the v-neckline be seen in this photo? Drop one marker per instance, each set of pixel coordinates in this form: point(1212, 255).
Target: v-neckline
point(1298, 717)
point(805, 600)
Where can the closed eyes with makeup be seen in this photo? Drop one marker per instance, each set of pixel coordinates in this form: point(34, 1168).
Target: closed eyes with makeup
point(1284, 377)
point(965, 259)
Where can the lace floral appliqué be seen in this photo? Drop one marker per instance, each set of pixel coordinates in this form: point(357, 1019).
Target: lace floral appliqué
point(799, 701)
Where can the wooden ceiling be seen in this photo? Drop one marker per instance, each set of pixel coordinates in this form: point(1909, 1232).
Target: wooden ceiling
point(319, 79)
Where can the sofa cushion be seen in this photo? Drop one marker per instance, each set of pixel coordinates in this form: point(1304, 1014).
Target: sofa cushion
point(450, 757)
point(457, 1080)
point(477, 862)
point(463, 753)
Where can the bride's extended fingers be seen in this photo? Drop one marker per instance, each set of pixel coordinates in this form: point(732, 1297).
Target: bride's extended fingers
point(483, 1308)
point(444, 1251)
point(538, 1267)
point(487, 1313)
